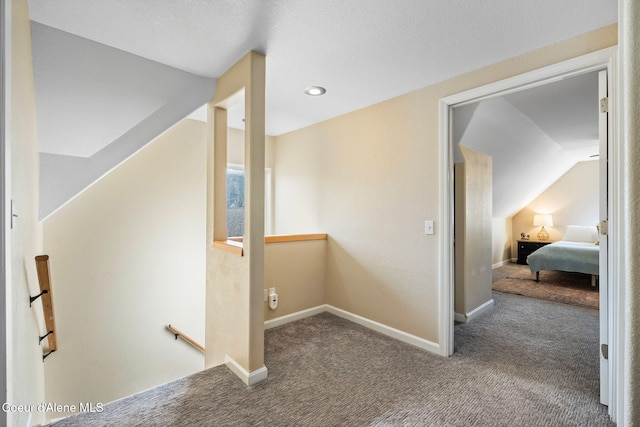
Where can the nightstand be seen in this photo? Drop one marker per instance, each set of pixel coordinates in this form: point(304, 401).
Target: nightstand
point(527, 247)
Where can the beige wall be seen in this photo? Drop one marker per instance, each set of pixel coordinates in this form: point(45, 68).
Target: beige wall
point(572, 200)
point(473, 222)
point(370, 180)
point(235, 148)
point(501, 240)
point(297, 271)
point(235, 298)
point(127, 258)
point(25, 374)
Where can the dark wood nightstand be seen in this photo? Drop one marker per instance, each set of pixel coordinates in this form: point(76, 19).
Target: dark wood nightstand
point(527, 247)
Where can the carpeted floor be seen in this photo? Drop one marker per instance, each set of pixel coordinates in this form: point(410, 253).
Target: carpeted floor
point(559, 286)
point(527, 362)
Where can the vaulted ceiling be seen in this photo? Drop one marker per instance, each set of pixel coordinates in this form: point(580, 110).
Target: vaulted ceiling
point(533, 136)
point(362, 51)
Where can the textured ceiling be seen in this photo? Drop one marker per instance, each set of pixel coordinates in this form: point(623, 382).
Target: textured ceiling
point(362, 51)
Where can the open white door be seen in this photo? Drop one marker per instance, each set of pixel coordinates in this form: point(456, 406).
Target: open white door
point(604, 216)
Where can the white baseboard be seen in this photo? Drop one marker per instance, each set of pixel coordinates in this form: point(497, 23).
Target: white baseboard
point(386, 330)
point(464, 318)
point(368, 323)
point(503, 262)
point(249, 378)
point(278, 321)
point(479, 310)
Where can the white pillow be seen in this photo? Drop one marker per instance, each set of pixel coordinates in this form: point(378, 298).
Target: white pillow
point(581, 233)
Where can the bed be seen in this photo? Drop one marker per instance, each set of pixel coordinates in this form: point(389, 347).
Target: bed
point(577, 252)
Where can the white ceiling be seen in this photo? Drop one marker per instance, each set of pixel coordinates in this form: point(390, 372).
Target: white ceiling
point(362, 51)
point(533, 136)
point(566, 110)
point(89, 95)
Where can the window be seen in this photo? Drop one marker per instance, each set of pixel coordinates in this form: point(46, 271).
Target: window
point(235, 201)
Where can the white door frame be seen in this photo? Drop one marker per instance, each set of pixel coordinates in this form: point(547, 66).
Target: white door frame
point(603, 59)
point(603, 217)
point(5, 10)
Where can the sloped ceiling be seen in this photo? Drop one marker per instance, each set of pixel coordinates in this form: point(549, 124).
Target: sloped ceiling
point(97, 105)
point(110, 71)
point(534, 137)
point(81, 82)
point(362, 51)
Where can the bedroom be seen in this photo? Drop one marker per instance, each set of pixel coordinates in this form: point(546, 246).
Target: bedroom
point(544, 161)
point(537, 160)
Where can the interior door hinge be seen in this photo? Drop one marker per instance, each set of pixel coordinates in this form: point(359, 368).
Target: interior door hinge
point(13, 214)
point(604, 105)
point(604, 227)
point(604, 349)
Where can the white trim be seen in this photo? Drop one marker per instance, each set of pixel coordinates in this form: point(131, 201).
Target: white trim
point(363, 321)
point(573, 67)
point(502, 263)
point(605, 58)
point(480, 310)
point(249, 378)
point(6, 370)
point(619, 230)
point(282, 320)
point(447, 275)
point(466, 318)
point(459, 317)
point(386, 330)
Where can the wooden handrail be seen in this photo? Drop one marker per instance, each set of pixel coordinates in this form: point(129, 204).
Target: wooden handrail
point(188, 339)
point(234, 244)
point(44, 279)
point(282, 238)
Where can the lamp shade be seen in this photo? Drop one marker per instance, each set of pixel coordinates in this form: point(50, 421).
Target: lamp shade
point(542, 220)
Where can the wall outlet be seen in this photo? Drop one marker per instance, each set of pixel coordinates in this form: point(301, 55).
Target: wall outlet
point(272, 291)
point(273, 301)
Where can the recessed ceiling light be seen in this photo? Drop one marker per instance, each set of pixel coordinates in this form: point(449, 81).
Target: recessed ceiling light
point(315, 90)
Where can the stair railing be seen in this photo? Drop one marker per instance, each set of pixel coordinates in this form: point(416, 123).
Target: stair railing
point(179, 334)
point(44, 280)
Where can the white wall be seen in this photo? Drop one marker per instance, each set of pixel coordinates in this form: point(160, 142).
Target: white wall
point(127, 258)
point(26, 372)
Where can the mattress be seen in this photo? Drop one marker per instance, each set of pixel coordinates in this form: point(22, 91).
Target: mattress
point(579, 257)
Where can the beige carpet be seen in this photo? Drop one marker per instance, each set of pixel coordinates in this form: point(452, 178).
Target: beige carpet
point(526, 362)
point(558, 286)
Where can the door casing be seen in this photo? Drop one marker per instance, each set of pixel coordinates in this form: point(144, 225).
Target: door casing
point(595, 61)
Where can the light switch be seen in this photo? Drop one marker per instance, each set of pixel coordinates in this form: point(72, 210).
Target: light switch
point(428, 227)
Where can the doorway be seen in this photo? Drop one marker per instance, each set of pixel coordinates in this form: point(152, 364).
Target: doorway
point(541, 147)
point(602, 60)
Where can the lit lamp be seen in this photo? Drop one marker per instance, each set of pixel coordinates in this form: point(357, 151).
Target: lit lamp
point(542, 221)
